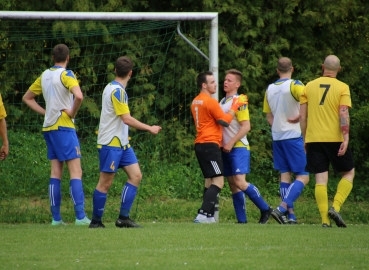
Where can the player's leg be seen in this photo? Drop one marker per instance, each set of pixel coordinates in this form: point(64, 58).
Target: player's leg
point(130, 165)
point(55, 191)
point(55, 195)
point(239, 201)
point(76, 191)
point(211, 164)
point(345, 166)
point(109, 158)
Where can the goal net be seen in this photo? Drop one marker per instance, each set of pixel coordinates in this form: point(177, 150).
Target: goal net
point(160, 92)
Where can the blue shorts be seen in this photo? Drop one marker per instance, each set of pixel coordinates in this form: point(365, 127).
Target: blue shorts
point(112, 158)
point(289, 156)
point(236, 162)
point(62, 144)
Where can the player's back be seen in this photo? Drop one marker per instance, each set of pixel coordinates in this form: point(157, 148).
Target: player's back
point(324, 97)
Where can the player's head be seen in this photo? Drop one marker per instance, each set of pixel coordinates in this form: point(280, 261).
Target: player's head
point(123, 67)
point(206, 81)
point(284, 65)
point(331, 64)
point(232, 81)
point(60, 53)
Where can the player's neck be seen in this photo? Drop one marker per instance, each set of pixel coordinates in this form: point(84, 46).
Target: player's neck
point(327, 73)
point(285, 76)
point(61, 64)
point(231, 93)
point(122, 81)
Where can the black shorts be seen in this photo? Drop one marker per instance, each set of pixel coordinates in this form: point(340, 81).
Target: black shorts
point(210, 159)
point(320, 154)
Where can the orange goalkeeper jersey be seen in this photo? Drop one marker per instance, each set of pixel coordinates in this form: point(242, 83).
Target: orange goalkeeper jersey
point(206, 111)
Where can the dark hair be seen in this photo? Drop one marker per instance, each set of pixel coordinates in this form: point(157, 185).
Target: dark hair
point(60, 53)
point(123, 66)
point(235, 72)
point(201, 78)
point(284, 64)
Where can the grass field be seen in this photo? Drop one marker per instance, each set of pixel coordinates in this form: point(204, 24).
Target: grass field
point(184, 245)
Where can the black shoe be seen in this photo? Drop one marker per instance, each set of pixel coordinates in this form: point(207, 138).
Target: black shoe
point(96, 225)
point(333, 214)
point(265, 215)
point(126, 223)
point(279, 216)
point(325, 225)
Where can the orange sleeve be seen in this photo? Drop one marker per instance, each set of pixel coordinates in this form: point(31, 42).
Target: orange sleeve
point(217, 112)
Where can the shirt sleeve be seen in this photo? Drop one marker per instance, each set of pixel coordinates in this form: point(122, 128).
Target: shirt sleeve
point(243, 113)
point(266, 107)
point(69, 80)
point(217, 112)
point(346, 97)
point(36, 87)
point(119, 98)
point(2, 109)
point(297, 88)
point(303, 96)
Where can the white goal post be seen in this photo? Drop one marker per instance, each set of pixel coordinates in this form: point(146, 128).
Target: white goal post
point(136, 16)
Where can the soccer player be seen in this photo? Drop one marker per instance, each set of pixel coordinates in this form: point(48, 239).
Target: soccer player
point(325, 126)
point(282, 108)
point(209, 119)
point(114, 148)
point(4, 150)
point(236, 153)
point(63, 98)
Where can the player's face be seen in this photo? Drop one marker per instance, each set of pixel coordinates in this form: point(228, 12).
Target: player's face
point(231, 83)
point(211, 84)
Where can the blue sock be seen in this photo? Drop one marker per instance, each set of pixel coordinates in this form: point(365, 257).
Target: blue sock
point(283, 187)
point(253, 193)
point(293, 192)
point(239, 203)
point(55, 198)
point(128, 196)
point(76, 193)
point(98, 201)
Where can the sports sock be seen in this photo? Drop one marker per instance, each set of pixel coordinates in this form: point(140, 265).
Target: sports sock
point(128, 196)
point(253, 193)
point(293, 192)
point(98, 201)
point(210, 197)
point(343, 190)
point(283, 187)
point(239, 203)
point(321, 197)
point(76, 193)
point(55, 198)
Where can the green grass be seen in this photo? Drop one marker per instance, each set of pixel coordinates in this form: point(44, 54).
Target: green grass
point(184, 245)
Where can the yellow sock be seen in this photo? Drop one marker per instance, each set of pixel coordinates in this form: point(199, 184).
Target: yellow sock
point(321, 197)
point(343, 190)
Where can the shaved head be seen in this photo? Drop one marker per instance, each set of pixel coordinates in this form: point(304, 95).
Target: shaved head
point(284, 64)
point(332, 63)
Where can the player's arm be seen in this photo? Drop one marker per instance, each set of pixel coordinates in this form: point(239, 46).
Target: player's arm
point(270, 118)
point(224, 119)
point(4, 151)
point(303, 119)
point(297, 88)
point(133, 122)
point(345, 128)
point(29, 99)
point(77, 102)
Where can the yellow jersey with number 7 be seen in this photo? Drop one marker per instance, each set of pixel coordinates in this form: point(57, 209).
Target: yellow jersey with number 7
point(324, 97)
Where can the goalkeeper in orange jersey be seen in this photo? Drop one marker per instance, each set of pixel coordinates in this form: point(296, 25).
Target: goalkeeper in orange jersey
point(209, 119)
point(236, 153)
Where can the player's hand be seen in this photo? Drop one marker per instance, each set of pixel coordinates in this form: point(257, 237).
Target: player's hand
point(70, 113)
point(294, 120)
point(154, 129)
point(343, 148)
point(238, 102)
point(227, 148)
point(4, 151)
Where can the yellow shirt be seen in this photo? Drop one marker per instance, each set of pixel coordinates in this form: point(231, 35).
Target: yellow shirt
point(324, 97)
point(2, 109)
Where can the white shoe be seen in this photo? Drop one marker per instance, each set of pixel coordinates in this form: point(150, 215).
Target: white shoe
point(201, 219)
point(210, 219)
